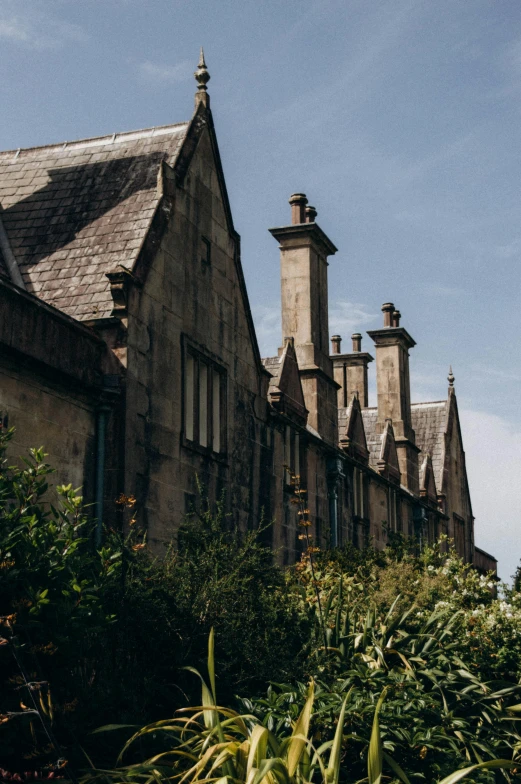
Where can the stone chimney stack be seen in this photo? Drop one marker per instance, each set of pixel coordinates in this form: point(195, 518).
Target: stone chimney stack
point(304, 249)
point(351, 371)
point(394, 391)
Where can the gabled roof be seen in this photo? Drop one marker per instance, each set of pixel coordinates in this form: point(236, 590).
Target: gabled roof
point(427, 482)
point(388, 464)
point(374, 440)
point(352, 432)
point(429, 422)
point(75, 211)
point(285, 389)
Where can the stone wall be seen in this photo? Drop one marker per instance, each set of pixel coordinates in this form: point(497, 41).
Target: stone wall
point(192, 305)
point(51, 371)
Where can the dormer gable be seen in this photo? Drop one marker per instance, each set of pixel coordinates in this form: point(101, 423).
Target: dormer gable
point(387, 464)
point(454, 471)
point(427, 480)
point(285, 390)
point(353, 440)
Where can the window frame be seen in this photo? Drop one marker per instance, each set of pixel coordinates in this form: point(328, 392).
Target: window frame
point(294, 456)
point(206, 258)
point(204, 365)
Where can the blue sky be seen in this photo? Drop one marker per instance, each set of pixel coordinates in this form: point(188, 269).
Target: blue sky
point(399, 118)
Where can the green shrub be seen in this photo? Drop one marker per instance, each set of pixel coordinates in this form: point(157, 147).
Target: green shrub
point(216, 744)
point(54, 606)
point(106, 632)
point(442, 710)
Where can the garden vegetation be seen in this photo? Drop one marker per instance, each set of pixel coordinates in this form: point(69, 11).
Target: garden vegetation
point(351, 666)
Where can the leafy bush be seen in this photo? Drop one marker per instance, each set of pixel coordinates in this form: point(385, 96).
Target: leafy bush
point(53, 605)
point(106, 632)
point(218, 744)
point(105, 635)
point(441, 712)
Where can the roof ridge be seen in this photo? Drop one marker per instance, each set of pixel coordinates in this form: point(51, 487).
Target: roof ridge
point(113, 137)
point(429, 403)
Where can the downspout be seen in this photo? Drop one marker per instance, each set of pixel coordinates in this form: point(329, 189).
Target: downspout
point(101, 428)
point(334, 473)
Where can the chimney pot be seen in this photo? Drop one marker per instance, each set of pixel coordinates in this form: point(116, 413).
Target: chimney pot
point(311, 214)
point(356, 337)
point(298, 203)
point(335, 342)
point(396, 318)
point(388, 309)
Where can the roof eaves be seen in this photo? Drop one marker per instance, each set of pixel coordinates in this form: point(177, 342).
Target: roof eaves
point(94, 141)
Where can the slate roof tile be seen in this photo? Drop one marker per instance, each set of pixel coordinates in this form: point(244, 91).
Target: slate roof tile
point(81, 208)
point(429, 421)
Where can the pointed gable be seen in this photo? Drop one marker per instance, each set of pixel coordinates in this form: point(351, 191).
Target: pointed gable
point(285, 390)
point(454, 469)
point(388, 465)
point(353, 440)
point(427, 481)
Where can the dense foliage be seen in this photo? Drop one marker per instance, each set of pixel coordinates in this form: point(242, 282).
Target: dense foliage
point(93, 636)
point(447, 705)
point(104, 633)
point(211, 743)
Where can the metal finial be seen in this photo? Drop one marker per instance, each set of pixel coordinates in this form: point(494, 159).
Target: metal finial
point(202, 76)
point(450, 377)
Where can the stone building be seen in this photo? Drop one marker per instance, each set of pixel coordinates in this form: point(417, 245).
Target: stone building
point(128, 349)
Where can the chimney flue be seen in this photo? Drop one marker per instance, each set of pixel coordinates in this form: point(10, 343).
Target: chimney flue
point(335, 343)
point(311, 214)
point(298, 203)
point(357, 342)
point(388, 309)
point(396, 318)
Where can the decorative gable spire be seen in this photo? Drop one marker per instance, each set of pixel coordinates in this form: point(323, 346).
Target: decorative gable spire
point(202, 78)
point(450, 379)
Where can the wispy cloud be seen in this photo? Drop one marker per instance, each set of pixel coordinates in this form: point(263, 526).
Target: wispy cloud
point(509, 251)
point(494, 484)
point(347, 317)
point(344, 318)
point(510, 69)
point(482, 371)
point(150, 72)
point(359, 73)
point(446, 291)
point(24, 23)
point(267, 328)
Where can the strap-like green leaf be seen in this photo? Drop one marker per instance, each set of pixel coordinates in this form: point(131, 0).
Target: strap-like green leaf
point(375, 752)
point(299, 737)
point(211, 664)
point(333, 771)
point(491, 765)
